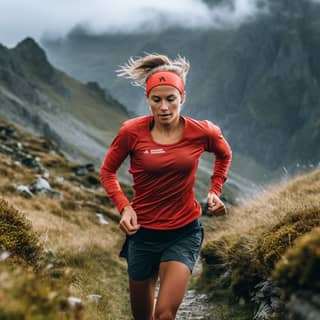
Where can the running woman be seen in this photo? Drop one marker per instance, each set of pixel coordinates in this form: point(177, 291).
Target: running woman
point(161, 223)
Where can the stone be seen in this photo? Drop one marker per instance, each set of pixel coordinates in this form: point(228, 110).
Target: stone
point(301, 307)
point(41, 185)
point(264, 312)
point(74, 301)
point(4, 255)
point(102, 219)
point(94, 297)
point(84, 170)
point(25, 191)
point(276, 304)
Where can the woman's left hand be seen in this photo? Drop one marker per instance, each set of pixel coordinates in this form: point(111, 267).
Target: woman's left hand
point(215, 205)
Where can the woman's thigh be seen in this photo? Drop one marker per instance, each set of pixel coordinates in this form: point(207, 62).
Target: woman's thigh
point(174, 278)
point(142, 297)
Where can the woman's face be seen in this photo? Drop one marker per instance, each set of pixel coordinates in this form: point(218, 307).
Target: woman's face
point(165, 104)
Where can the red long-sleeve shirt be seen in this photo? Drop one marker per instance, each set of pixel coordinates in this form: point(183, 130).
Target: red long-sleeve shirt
point(164, 174)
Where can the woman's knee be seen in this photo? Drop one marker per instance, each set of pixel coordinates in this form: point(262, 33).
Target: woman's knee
point(165, 314)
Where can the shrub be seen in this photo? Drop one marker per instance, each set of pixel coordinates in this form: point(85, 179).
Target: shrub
point(16, 234)
point(300, 266)
point(275, 242)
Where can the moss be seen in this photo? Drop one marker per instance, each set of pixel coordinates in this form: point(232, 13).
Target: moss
point(274, 243)
point(300, 266)
point(228, 265)
point(16, 234)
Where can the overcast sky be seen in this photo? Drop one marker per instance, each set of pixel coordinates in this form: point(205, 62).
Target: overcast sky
point(55, 18)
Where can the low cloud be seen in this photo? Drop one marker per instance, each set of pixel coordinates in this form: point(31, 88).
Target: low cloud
point(56, 18)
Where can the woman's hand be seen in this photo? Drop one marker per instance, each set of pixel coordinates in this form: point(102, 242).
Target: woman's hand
point(215, 205)
point(129, 223)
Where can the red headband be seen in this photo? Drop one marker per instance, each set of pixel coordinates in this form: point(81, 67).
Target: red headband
point(164, 78)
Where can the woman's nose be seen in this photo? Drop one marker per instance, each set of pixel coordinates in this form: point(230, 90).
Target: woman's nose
point(163, 105)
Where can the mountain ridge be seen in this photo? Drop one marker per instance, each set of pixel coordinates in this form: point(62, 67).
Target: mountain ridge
point(81, 118)
point(259, 80)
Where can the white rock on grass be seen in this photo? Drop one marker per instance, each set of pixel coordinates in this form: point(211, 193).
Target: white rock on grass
point(41, 185)
point(4, 255)
point(74, 301)
point(94, 297)
point(24, 190)
point(102, 219)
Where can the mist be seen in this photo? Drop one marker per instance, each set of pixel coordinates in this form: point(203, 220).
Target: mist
point(56, 18)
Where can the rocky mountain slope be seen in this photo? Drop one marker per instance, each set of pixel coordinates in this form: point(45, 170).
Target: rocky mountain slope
point(59, 235)
point(80, 118)
point(259, 82)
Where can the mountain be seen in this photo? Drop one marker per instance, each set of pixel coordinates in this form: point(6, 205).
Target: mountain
point(80, 118)
point(259, 82)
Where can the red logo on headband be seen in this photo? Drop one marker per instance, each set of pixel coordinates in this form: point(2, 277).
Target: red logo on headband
point(161, 79)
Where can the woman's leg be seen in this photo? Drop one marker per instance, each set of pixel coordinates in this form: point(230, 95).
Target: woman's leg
point(174, 278)
point(142, 297)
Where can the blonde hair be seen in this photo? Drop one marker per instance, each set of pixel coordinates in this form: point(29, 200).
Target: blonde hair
point(140, 68)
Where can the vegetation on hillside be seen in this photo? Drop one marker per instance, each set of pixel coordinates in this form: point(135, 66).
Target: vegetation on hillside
point(270, 236)
point(57, 260)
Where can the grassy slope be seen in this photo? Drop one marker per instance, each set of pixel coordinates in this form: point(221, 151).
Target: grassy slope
point(252, 243)
point(77, 253)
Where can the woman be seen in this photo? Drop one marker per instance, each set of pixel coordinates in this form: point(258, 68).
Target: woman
point(163, 234)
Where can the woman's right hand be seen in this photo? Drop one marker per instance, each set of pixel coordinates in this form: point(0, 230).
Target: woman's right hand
point(129, 222)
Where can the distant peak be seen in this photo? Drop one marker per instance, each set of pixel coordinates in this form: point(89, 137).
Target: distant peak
point(30, 53)
point(28, 44)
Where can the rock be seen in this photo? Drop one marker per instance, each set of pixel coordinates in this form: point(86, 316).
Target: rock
point(28, 161)
point(46, 174)
point(59, 179)
point(301, 306)
point(40, 186)
point(276, 304)
point(8, 132)
point(6, 150)
point(74, 302)
point(25, 191)
point(102, 220)
point(4, 255)
point(84, 170)
point(268, 299)
point(264, 312)
point(94, 297)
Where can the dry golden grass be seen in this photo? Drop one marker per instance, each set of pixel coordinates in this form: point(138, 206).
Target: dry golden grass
point(80, 253)
point(266, 210)
point(251, 239)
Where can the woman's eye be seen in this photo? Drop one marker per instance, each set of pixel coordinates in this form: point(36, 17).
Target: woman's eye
point(171, 99)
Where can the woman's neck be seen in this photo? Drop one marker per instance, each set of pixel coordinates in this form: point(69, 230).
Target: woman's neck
point(168, 133)
point(168, 127)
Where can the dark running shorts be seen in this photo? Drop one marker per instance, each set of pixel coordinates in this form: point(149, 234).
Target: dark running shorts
point(147, 248)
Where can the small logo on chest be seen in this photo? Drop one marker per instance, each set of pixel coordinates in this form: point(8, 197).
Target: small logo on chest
point(154, 151)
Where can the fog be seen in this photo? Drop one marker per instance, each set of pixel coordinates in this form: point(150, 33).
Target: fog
point(56, 18)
